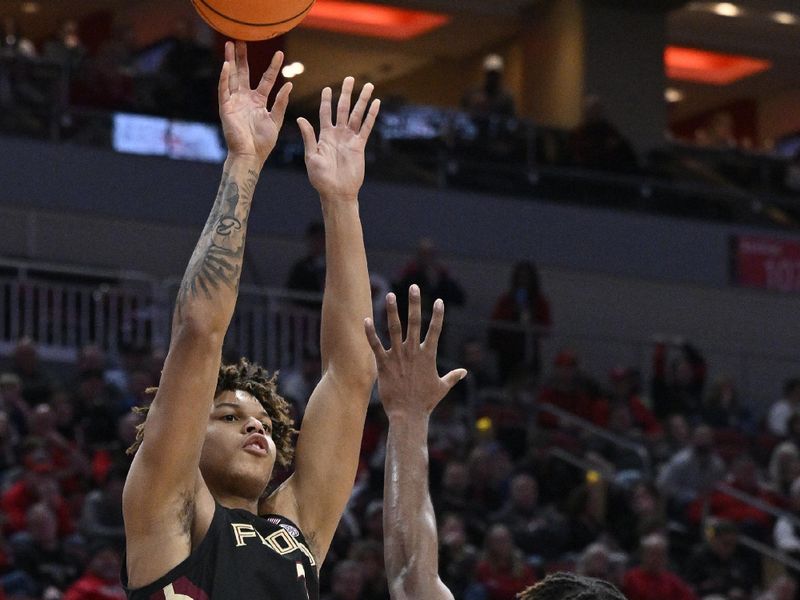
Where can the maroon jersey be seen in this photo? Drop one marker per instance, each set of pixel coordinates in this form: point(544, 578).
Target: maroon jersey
point(242, 556)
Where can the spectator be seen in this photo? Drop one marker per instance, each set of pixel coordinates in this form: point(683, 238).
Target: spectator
point(98, 406)
point(523, 305)
point(36, 485)
point(569, 390)
point(784, 467)
point(536, 529)
point(625, 460)
point(66, 48)
point(490, 99)
point(480, 376)
point(586, 510)
point(308, 274)
point(433, 279)
point(502, 570)
point(296, 385)
point(786, 534)
point(100, 581)
point(744, 479)
point(677, 437)
point(36, 383)
point(677, 385)
point(652, 580)
point(783, 588)
point(347, 582)
point(186, 75)
point(457, 557)
point(597, 144)
point(624, 390)
point(718, 565)
point(722, 409)
point(597, 561)
point(40, 552)
point(782, 410)
point(369, 554)
point(694, 471)
point(635, 513)
point(101, 518)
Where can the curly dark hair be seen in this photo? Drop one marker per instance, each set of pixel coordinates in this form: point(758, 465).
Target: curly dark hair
point(255, 380)
point(569, 586)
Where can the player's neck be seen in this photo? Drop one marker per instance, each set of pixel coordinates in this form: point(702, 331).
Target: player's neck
point(230, 501)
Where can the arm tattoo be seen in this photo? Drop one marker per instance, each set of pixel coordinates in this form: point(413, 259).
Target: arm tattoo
point(217, 258)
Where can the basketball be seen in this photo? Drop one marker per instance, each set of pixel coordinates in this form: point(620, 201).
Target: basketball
point(252, 20)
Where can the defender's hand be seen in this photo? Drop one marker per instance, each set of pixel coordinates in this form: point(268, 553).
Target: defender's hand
point(251, 130)
point(335, 162)
point(408, 381)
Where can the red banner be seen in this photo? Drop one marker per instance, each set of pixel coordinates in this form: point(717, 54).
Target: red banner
point(766, 263)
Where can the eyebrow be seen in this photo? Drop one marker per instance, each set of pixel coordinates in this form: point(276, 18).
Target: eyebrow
point(238, 407)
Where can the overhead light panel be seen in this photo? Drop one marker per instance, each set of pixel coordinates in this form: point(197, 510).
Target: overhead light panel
point(726, 9)
point(293, 70)
point(785, 18)
point(715, 68)
point(673, 95)
point(375, 20)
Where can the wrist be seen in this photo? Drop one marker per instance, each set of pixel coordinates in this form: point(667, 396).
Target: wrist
point(404, 416)
point(245, 161)
point(338, 197)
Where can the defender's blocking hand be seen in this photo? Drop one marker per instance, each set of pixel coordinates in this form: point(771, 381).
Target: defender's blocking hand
point(408, 381)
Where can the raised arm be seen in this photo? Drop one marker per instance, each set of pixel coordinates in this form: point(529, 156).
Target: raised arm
point(328, 446)
point(410, 388)
point(159, 497)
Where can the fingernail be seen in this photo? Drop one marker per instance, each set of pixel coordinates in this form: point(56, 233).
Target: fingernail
point(414, 290)
point(439, 304)
point(463, 375)
point(390, 298)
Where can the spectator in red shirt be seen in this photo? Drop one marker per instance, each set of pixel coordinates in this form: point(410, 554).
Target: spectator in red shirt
point(744, 478)
point(568, 390)
point(503, 571)
point(624, 390)
point(652, 580)
point(101, 579)
point(36, 485)
point(523, 304)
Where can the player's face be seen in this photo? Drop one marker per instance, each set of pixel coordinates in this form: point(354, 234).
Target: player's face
point(238, 453)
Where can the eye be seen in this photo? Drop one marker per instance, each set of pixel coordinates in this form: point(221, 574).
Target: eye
point(230, 418)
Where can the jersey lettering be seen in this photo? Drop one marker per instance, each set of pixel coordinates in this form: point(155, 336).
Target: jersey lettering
point(280, 541)
point(169, 594)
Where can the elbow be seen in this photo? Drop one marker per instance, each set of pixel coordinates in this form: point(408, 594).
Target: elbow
point(193, 328)
point(356, 375)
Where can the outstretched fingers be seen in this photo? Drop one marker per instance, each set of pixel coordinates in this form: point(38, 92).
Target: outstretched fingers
point(223, 89)
point(393, 321)
point(343, 108)
point(242, 68)
point(325, 109)
point(281, 102)
point(414, 318)
point(374, 341)
point(369, 122)
point(361, 106)
point(270, 76)
point(453, 377)
point(309, 137)
point(233, 76)
point(435, 328)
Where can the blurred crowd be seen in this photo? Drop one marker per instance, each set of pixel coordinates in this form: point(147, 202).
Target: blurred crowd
point(662, 482)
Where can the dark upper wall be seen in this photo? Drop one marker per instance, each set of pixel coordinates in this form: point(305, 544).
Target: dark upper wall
point(78, 180)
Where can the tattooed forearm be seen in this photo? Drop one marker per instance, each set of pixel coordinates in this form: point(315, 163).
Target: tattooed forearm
point(217, 259)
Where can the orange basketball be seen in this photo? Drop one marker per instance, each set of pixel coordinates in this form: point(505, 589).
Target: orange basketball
point(251, 20)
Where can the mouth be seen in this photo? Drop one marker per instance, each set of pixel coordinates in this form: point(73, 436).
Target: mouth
point(256, 444)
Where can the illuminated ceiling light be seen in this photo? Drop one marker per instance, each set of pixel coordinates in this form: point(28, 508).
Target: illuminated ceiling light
point(726, 9)
point(293, 70)
point(375, 20)
point(673, 95)
point(30, 7)
point(785, 18)
point(703, 66)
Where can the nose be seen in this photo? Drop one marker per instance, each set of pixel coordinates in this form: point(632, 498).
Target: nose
point(253, 425)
